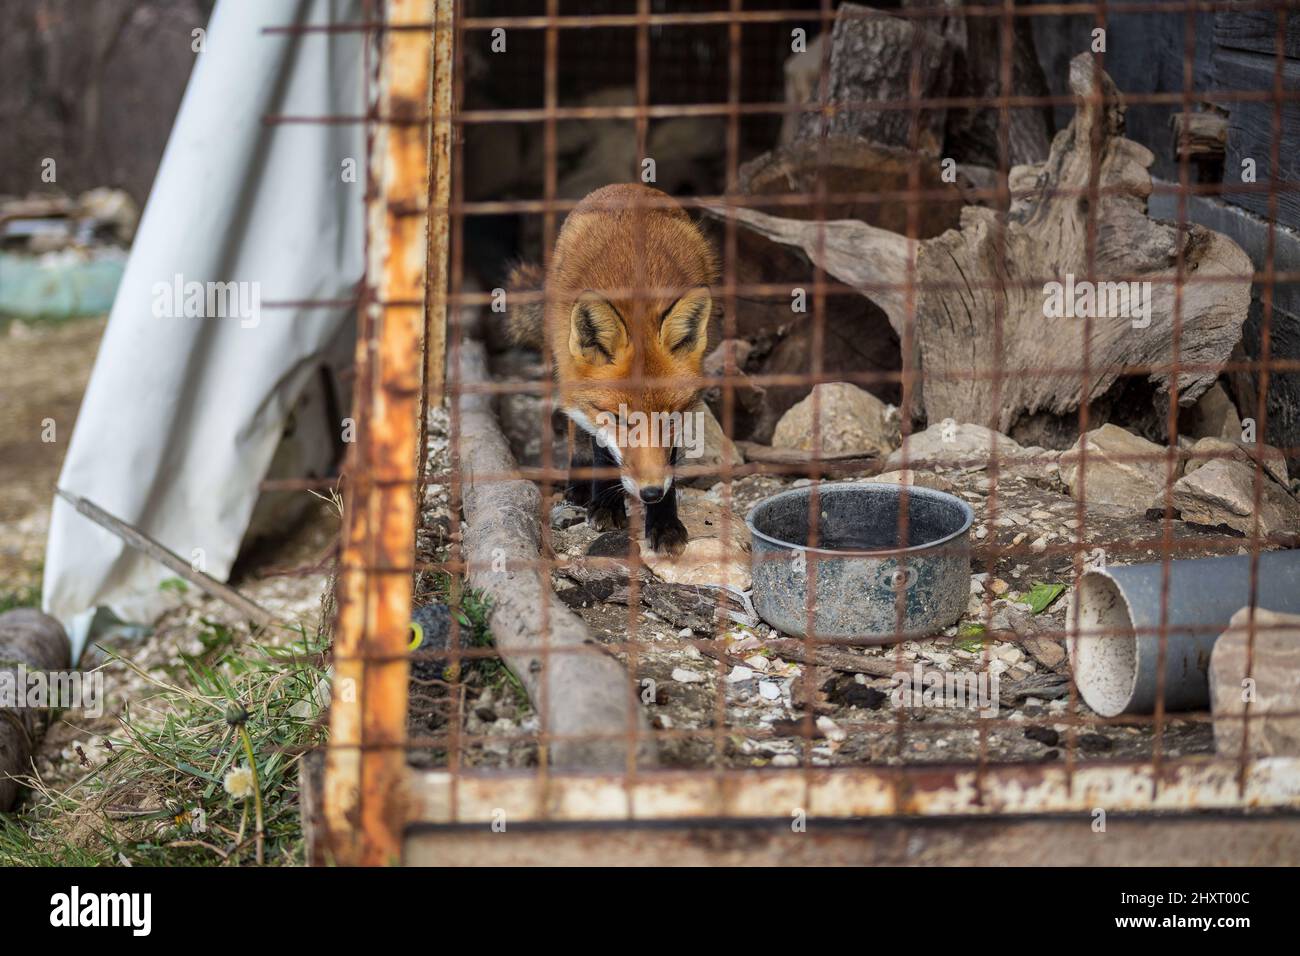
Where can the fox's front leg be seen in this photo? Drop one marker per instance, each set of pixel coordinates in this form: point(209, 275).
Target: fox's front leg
point(663, 528)
point(605, 508)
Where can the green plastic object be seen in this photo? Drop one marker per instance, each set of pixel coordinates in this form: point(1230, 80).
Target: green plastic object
point(60, 285)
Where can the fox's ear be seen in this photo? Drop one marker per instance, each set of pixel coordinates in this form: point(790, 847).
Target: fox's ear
point(686, 323)
point(596, 330)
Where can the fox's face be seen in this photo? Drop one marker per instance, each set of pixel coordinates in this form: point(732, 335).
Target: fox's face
point(636, 376)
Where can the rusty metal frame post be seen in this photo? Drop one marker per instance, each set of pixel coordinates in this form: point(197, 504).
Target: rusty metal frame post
point(366, 776)
point(440, 153)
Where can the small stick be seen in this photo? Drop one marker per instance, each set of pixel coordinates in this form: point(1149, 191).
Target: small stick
point(142, 542)
point(794, 649)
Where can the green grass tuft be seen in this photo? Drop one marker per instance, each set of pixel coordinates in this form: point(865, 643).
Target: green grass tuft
point(159, 800)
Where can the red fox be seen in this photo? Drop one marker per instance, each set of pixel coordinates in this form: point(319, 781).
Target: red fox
point(626, 314)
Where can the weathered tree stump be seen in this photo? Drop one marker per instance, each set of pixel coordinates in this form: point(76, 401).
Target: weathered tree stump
point(872, 61)
point(974, 135)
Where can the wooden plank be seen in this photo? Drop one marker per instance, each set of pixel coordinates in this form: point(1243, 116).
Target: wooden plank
point(168, 558)
point(1251, 132)
point(1255, 31)
point(1168, 841)
point(924, 790)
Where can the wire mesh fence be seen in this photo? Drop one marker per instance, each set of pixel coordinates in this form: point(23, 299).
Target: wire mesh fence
point(955, 369)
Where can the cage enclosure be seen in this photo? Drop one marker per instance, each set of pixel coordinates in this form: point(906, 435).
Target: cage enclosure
point(979, 255)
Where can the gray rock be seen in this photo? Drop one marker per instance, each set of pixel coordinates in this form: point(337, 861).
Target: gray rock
point(850, 421)
point(1205, 450)
point(1223, 493)
point(1120, 469)
point(955, 445)
point(1213, 416)
point(1275, 671)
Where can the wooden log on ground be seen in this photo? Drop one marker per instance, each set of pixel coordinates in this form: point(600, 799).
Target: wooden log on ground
point(845, 465)
point(578, 689)
point(983, 294)
point(796, 649)
point(701, 607)
point(29, 641)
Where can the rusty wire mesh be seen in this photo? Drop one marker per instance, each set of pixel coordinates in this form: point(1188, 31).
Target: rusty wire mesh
point(732, 84)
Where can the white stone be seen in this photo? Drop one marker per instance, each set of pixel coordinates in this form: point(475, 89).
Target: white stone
point(830, 730)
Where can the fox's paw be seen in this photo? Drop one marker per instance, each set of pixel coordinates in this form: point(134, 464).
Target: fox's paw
point(606, 517)
point(668, 538)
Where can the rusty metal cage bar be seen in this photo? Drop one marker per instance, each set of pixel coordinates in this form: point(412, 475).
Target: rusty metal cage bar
point(415, 297)
point(366, 773)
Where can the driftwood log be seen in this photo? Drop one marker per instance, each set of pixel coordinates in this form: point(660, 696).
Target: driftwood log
point(980, 292)
point(580, 692)
point(31, 641)
point(869, 178)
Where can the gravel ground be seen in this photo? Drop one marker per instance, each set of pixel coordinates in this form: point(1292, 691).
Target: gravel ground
point(771, 710)
point(755, 707)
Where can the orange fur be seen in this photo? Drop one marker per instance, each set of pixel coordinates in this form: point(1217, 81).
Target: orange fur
point(651, 265)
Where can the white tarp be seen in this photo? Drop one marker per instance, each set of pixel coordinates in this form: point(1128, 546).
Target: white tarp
point(182, 414)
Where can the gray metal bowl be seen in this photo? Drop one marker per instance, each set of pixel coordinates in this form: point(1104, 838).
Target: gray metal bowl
point(859, 566)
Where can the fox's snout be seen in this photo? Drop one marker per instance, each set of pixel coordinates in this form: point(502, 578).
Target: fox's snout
point(646, 471)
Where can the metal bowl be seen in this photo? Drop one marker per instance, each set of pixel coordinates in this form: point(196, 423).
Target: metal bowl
point(860, 577)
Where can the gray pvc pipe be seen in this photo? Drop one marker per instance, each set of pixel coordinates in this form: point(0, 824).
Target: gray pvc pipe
point(1115, 653)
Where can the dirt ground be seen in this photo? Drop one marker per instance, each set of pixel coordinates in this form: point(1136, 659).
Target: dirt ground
point(43, 372)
